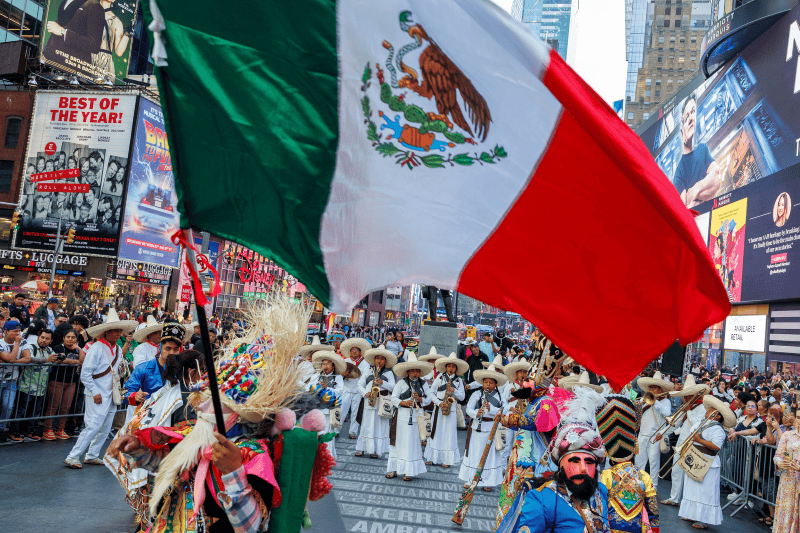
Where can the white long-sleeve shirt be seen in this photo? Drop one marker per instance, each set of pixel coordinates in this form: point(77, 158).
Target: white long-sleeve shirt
point(436, 395)
point(97, 360)
point(365, 383)
point(146, 351)
point(401, 388)
point(474, 405)
point(654, 417)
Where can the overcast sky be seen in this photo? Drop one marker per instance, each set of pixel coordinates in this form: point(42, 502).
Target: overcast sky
point(597, 44)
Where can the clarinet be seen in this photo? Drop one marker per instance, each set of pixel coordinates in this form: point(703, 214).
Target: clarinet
point(479, 414)
point(413, 402)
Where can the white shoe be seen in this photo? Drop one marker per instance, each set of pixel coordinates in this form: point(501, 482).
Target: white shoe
point(732, 496)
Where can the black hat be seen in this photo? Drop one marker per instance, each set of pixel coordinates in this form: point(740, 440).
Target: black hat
point(172, 331)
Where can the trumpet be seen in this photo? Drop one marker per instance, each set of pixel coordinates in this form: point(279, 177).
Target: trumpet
point(675, 418)
point(689, 442)
point(373, 394)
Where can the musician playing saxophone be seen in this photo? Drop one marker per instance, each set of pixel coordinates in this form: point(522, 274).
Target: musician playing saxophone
point(442, 446)
point(652, 418)
point(373, 437)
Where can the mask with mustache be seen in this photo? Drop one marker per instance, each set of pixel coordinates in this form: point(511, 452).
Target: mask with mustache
point(581, 486)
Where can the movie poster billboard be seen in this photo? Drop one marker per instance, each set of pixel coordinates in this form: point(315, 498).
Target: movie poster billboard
point(86, 135)
point(733, 129)
point(90, 38)
point(151, 215)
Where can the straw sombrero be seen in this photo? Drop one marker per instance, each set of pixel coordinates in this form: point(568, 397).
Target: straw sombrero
point(315, 346)
point(582, 381)
point(728, 418)
point(690, 388)
point(327, 355)
point(461, 366)
point(111, 323)
point(146, 329)
point(657, 380)
point(412, 363)
point(355, 342)
point(491, 372)
point(498, 362)
point(431, 356)
point(510, 370)
point(567, 380)
point(391, 358)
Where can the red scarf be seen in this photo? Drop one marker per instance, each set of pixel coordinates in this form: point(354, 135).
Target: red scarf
point(355, 361)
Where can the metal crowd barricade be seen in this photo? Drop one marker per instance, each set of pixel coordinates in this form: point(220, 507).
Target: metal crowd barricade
point(35, 397)
point(750, 470)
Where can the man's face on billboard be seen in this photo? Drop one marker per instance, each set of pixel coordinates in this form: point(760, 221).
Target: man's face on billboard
point(689, 121)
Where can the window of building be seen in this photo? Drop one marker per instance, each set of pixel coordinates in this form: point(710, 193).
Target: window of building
point(13, 127)
point(647, 93)
point(669, 81)
point(658, 94)
point(648, 81)
point(666, 23)
point(672, 39)
point(5, 230)
point(659, 59)
point(6, 172)
point(667, 10)
point(630, 115)
point(678, 10)
point(646, 116)
point(677, 23)
point(658, 82)
point(661, 39)
point(680, 59)
point(694, 58)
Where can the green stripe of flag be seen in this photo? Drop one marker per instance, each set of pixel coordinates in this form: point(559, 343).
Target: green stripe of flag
point(250, 98)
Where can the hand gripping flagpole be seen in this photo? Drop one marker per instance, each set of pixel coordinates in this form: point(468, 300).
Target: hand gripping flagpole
point(185, 239)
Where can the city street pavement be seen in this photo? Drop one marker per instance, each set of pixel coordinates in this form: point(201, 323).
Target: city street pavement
point(39, 494)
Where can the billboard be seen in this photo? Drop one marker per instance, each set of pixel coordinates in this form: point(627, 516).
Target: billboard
point(90, 38)
point(89, 134)
point(735, 128)
point(150, 210)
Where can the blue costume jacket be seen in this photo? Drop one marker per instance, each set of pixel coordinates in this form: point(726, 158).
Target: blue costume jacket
point(549, 509)
point(145, 377)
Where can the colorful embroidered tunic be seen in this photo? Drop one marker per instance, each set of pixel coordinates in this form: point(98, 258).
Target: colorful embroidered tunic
point(632, 500)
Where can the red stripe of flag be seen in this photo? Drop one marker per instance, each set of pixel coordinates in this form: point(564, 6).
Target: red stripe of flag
point(616, 269)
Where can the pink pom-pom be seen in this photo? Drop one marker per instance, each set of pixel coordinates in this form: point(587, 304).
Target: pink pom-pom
point(285, 419)
point(314, 420)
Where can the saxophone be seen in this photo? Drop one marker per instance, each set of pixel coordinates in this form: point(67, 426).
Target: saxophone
point(372, 396)
point(448, 400)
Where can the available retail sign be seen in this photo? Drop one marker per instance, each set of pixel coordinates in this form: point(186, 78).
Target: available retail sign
point(745, 333)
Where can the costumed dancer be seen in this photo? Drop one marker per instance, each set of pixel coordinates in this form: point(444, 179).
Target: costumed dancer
point(696, 414)
point(147, 377)
point(353, 350)
point(409, 396)
point(482, 407)
point(651, 419)
point(442, 445)
point(330, 377)
point(100, 376)
point(260, 476)
point(373, 437)
point(575, 501)
point(515, 373)
point(632, 499)
point(700, 501)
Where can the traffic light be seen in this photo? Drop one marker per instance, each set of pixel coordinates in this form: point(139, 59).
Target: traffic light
point(71, 236)
point(15, 219)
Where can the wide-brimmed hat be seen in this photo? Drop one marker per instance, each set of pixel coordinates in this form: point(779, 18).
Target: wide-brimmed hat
point(491, 372)
point(391, 358)
point(355, 342)
point(728, 418)
point(469, 341)
point(461, 366)
point(690, 388)
point(172, 331)
point(112, 322)
point(401, 370)
point(327, 355)
point(145, 329)
point(431, 356)
point(657, 380)
point(315, 346)
point(582, 381)
point(498, 362)
point(511, 369)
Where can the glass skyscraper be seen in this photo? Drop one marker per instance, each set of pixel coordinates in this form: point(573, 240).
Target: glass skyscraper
point(549, 19)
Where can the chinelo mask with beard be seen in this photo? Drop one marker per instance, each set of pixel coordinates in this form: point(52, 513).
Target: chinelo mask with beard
point(578, 472)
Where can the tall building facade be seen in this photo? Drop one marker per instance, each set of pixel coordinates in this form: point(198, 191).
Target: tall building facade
point(672, 37)
point(547, 18)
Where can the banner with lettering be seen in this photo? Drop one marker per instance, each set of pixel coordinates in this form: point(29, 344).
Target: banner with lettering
point(150, 210)
point(75, 171)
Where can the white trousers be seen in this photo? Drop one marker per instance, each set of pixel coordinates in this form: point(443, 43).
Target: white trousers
point(98, 419)
point(511, 435)
point(350, 401)
point(676, 493)
point(649, 453)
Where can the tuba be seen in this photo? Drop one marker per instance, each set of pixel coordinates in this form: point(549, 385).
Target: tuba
point(448, 400)
point(372, 396)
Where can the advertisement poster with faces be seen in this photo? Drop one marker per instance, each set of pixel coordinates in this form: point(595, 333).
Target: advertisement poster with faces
point(151, 215)
point(89, 133)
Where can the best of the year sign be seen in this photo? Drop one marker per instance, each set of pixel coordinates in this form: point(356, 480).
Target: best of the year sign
point(745, 333)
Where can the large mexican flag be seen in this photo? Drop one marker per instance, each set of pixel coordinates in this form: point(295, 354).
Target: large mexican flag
point(366, 144)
